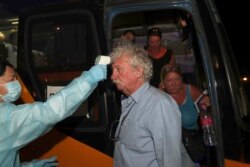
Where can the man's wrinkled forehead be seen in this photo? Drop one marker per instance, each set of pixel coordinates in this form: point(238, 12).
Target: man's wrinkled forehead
point(120, 61)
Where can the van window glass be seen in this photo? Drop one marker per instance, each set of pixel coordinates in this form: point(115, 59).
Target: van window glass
point(8, 39)
point(61, 46)
point(67, 42)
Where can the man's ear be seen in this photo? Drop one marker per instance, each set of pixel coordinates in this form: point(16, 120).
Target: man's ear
point(139, 72)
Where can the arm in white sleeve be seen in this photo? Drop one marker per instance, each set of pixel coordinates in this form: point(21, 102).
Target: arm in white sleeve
point(24, 123)
point(50, 162)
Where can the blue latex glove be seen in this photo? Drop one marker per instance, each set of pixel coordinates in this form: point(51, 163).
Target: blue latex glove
point(99, 72)
point(50, 162)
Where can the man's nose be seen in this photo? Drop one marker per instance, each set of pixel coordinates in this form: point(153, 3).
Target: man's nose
point(113, 75)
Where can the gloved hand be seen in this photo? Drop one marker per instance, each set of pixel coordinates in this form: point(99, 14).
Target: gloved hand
point(50, 162)
point(99, 72)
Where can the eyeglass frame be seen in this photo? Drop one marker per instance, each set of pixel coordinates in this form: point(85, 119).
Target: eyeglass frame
point(120, 127)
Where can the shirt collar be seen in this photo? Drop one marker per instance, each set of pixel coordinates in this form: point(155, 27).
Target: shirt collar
point(136, 95)
point(140, 92)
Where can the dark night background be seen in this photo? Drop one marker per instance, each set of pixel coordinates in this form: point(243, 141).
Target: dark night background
point(236, 21)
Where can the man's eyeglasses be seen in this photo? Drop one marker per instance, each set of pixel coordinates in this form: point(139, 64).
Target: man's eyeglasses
point(112, 131)
point(115, 124)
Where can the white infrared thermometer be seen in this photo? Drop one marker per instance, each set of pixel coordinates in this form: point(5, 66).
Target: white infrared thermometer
point(101, 59)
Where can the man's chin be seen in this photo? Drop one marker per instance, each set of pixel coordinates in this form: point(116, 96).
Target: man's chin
point(118, 87)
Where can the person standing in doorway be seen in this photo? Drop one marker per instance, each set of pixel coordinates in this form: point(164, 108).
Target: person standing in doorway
point(149, 128)
point(160, 55)
point(185, 95)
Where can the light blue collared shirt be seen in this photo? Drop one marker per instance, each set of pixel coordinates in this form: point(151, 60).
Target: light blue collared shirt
point(150, 130)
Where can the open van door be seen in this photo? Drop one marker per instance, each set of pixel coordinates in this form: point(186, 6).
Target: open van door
point(205, 57)
point(55, 44)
